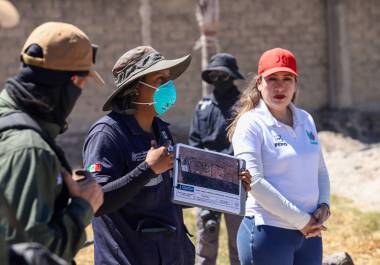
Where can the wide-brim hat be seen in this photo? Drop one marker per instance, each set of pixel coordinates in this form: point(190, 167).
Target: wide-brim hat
point(138, 62)
point(224, 62)
point(9, 16)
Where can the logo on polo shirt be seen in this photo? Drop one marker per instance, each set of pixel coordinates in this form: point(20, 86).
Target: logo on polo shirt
point(279, 141)
point(311, 136)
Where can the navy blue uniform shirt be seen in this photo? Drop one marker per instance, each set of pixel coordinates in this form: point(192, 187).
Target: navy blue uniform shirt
point(210, 120)
point(147, 228)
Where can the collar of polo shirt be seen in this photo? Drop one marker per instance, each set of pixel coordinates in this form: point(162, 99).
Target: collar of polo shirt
point(270, 120)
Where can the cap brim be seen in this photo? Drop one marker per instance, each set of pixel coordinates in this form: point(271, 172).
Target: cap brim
point(97, 78)
point(176, 67)
point(235, 75)
point(9, 16)
point(278, 69)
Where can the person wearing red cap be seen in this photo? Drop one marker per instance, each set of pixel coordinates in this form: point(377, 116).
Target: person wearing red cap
point(289, 198)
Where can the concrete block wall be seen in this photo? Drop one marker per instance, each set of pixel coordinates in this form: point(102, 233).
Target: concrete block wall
point(247, 28)
point(363, 29)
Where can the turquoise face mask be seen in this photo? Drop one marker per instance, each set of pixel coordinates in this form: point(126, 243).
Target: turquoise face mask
point(163, 98)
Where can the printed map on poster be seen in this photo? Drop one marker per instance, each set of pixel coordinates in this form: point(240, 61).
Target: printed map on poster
point(208, 179)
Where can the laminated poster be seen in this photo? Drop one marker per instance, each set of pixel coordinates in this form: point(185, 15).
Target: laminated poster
point(208, 179)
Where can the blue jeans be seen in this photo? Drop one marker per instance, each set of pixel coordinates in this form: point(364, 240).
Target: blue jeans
point(269, 245)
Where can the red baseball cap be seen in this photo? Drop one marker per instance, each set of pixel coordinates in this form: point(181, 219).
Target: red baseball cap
point(277, 60)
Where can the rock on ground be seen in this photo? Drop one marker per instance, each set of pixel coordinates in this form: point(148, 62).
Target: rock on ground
point(341, 258)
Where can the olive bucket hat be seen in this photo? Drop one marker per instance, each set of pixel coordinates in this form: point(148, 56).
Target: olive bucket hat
point(138, 62)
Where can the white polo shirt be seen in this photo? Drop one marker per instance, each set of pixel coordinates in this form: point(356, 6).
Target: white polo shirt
point(289, 176)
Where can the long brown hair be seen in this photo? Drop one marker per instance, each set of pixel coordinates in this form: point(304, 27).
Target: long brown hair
point(249, 99)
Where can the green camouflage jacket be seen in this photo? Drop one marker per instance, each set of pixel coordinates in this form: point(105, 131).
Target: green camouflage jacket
point(31, 179)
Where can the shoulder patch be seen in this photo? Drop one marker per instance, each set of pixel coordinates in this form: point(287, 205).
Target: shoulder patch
point(97, 167)
point(204, 103)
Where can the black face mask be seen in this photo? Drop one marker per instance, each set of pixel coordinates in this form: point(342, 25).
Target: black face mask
point(44, 94)
point(69, 96)
point(223, 86)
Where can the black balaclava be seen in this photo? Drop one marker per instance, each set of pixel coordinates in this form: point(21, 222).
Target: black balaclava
point(47, 95)
point(223, 87)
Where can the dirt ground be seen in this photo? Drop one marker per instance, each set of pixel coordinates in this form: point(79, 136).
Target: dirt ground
point(354, 169)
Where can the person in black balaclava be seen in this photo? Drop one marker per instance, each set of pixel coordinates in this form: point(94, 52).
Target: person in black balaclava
point(208, 131)
point(49, 207)
point(46, 94)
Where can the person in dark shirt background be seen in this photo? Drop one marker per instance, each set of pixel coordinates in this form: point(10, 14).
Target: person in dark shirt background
point(208, 131)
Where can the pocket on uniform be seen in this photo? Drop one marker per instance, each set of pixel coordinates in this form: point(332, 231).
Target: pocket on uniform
point(150, 227)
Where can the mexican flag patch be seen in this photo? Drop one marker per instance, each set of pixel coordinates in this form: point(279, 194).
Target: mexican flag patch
point(94, 168)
